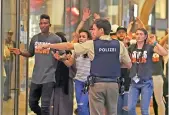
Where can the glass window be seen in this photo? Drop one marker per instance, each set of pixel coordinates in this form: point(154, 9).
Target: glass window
point(72, 16)
point(161, 17)
point(160, 34)
point(50, 7)
point(160, 9)
point(126, 10)
point(8, 40)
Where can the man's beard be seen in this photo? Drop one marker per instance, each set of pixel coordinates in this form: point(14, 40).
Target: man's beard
point(120, 39)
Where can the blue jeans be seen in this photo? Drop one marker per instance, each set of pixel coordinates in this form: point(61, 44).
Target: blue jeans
point(8, 65)
point(145, 88)
point(81, 98)
point(122, 102)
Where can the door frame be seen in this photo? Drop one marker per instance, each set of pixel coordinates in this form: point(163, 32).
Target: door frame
point(1, 61)
point(17, 60)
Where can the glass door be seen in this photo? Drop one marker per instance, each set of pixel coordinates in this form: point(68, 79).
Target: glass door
point(9, 60)
point(14, 68)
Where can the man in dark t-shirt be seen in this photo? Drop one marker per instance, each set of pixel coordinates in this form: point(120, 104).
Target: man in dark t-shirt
point(124, 80)
point(43, 77)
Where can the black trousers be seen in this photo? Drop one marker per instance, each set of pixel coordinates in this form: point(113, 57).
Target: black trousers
point(43, 91)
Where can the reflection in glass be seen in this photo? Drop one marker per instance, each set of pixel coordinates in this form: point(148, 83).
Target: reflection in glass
point(8, 34)
point(8, 64)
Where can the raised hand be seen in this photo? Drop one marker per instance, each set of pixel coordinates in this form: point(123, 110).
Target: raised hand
point(152, 38)
point(75, 37)
point(15, 51)
point(131, 23)
point(96, 16)
point(86, 14)
point(59, 57)
point(139, 22)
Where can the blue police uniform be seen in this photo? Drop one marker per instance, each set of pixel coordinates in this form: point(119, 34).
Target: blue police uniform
point(105, 55)
point(105, 69)
point(106, 64)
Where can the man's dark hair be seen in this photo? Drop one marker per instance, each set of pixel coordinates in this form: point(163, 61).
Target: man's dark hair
point(62, 36)
point(45, 16)
point(121, 28)
point(103, 23)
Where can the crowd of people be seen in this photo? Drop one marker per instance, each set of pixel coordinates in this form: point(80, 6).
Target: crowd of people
point(110, 69)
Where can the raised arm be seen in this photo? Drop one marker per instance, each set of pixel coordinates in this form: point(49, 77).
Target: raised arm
point(158, 48)
point(140, 23)
point(60, 46)
point(129, 27)
point(80, 48)
point(164, 40)
point(85, 17)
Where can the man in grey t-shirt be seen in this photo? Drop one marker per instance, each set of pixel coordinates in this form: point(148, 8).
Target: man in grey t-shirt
point(43, 78)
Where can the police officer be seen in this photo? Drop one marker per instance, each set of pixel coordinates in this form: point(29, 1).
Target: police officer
point(106, 55)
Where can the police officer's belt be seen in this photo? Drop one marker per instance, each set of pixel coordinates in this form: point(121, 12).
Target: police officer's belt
point(103, 79)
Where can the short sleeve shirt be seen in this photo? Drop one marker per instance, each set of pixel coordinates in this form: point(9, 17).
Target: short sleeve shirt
point(88, 47)
point(45, 63)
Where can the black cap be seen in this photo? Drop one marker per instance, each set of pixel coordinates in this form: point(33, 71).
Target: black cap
point(121, 28)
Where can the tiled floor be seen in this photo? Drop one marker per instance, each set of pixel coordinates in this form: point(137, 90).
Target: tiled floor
point(8, 107)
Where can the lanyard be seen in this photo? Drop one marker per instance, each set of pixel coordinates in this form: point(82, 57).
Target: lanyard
point(137, 63)
point(139, 58)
